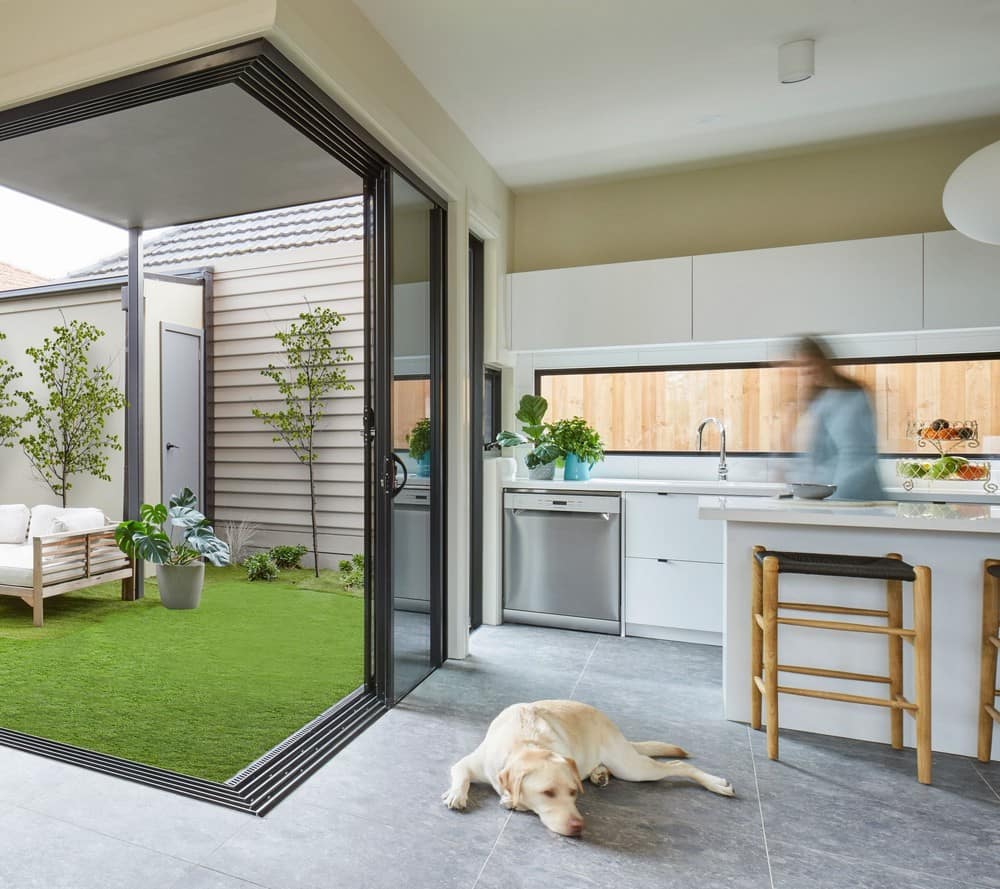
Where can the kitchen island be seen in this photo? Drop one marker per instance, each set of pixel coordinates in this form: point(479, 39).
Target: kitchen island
point(952, 539)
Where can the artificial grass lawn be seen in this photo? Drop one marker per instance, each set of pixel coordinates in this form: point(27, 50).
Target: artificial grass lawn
point(203, 692)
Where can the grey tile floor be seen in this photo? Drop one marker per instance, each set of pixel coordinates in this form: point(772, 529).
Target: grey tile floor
point(831, 814)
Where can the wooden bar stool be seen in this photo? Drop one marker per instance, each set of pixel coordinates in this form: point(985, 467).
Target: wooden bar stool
point(765, 620)
point(988, 691)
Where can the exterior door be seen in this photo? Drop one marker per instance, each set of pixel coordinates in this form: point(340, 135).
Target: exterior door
point(181, 410)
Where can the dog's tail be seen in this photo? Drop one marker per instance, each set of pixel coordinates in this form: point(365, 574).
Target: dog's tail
point(658, 748)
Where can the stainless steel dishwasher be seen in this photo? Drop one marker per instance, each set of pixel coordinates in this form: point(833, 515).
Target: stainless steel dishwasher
point(562, 560)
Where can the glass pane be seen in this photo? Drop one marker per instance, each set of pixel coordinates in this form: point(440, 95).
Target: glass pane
point(412, 436)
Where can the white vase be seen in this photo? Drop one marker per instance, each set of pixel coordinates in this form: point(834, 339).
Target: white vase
point(180, 585)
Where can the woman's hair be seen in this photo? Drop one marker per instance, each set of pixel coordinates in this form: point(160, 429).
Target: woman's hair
point(814, 350)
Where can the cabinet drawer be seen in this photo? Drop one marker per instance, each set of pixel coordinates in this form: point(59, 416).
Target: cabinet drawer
point(687, 595)
point(667, 526)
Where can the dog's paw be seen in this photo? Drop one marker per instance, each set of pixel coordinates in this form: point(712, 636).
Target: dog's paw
point(507, 801)
point(600, 776)
point(720, 786)
point(455, 799)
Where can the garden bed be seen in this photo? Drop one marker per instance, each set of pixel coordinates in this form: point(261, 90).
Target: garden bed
point(202, 692)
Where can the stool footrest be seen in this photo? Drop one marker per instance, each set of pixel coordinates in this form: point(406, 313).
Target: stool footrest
point(995, 640)
point(760, 684)
point(847, 627)
point(833, 609)
point(993, 712)
point(896, 704)
point(833, 674)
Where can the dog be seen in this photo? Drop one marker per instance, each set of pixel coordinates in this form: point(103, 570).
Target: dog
point(536, 755)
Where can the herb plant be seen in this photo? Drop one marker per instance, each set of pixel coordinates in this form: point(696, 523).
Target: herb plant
point(419, 438)
point(576, 436)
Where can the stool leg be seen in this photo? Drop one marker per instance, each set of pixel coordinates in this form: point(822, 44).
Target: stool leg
point(770, 596)
point(756, 635)
point(894, 605)
point(988, 667)
point(922, 669)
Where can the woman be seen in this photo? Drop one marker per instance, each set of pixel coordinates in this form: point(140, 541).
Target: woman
point(842, 443)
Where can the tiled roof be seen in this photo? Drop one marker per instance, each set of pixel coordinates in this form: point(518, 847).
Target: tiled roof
point(13, 278)
point(197, 244)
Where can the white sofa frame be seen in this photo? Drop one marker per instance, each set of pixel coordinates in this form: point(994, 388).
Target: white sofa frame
point(73, 560)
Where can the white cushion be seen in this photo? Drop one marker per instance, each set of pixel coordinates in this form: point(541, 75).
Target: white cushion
point(78, 520)
point(43, 519)
point(14, 522)
point(16, 564)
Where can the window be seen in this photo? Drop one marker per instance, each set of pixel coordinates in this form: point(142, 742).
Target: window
point(657, 410)
point(491, 404)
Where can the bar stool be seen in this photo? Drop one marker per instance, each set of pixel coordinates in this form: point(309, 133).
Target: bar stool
point(988, 691)
point(765, 620)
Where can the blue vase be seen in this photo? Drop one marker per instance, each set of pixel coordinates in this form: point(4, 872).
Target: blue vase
point(424, 465)
point(576, 469)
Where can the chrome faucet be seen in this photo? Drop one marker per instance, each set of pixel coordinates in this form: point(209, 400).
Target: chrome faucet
point(723, 469)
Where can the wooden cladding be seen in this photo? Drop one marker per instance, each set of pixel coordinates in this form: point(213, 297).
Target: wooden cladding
point(659, 410)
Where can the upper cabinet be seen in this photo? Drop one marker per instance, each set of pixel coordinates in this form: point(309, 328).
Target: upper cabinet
point(863, 286)
point(623, 304)
point(961, 282)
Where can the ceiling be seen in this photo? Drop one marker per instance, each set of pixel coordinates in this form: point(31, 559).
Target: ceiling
point(214, 153)
point(580, 89)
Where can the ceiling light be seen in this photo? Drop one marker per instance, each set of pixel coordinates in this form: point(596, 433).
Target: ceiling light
point(796, 61)
point(972, 195)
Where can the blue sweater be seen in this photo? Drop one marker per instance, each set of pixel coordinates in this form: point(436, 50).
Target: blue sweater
point(843, 449)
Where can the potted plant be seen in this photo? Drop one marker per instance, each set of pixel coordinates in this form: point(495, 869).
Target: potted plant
point(581, 446)
point(180, 571)
point(541, 459)
point(419, 440)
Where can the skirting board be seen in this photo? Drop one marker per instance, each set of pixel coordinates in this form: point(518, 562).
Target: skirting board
point(674, 634)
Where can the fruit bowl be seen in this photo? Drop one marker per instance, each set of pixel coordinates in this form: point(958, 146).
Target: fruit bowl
point(812, 492)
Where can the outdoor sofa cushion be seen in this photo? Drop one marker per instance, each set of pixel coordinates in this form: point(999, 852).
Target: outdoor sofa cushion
point(78, 520)
point(14, 522)
point(43, 519)
point(16, 564)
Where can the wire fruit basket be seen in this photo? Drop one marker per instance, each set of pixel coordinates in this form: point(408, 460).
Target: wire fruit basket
point(944, 437)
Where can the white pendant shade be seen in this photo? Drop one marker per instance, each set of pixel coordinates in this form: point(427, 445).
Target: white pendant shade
point(972, 195)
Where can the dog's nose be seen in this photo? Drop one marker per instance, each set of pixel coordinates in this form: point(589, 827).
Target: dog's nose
point(575, 826)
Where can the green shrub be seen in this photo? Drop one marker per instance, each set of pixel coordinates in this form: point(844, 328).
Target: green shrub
point(260, 566)
point(286, 557)
point(352, 571)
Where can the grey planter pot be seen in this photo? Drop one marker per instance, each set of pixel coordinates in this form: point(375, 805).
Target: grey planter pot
point(180, 585)
point(544, 473)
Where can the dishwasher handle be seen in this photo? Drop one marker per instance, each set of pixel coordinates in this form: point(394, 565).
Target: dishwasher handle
point(606, 516)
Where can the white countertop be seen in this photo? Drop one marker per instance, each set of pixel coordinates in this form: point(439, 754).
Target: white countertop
point(951, 492)
point(911, 516)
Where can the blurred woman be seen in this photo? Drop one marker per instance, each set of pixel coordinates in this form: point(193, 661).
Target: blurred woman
point(841, 438)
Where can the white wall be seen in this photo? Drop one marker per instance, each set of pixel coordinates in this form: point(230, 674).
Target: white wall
point(26, 322)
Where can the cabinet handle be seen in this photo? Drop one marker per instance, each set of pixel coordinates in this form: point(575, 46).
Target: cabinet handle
point(662, 493)
point(664, 561)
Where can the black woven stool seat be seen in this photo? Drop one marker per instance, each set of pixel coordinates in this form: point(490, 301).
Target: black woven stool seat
point(827, 565)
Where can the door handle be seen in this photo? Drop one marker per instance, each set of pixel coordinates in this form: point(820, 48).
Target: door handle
point(171, 446)
point(389, 480)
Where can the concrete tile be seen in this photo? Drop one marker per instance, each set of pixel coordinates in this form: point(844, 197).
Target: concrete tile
point(184, 828)
point(43, 853)
point(320, 848)
point(203, 878)
point(24, 776)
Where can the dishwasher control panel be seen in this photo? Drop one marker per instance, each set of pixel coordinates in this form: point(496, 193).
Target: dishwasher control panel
point(560, 502)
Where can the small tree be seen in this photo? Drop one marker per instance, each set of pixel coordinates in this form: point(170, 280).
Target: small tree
point(71, 409)
point(9, 424)
point(310, 373)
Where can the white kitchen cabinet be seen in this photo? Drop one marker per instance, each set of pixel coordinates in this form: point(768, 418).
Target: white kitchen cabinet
point(622, 304)
point(961, 282)
point(685, 596)
point(666, 526)
point(862, 286)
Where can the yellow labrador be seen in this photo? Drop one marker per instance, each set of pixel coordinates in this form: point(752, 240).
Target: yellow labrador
point(535, 755)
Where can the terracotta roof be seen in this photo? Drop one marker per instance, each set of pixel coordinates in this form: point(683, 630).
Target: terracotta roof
point(198, 243)
point(13, 278)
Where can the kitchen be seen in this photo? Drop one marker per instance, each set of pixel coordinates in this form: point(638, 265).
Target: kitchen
point(657, 542)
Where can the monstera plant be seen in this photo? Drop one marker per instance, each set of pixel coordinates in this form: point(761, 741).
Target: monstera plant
point(175, 538)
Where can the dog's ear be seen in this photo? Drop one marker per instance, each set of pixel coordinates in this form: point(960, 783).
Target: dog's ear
point(576, 772)
point(510, 780)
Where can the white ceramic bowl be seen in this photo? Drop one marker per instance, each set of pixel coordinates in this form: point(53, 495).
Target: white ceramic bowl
point(813, 492)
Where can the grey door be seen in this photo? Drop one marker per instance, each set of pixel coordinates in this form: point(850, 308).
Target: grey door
point(181, 410)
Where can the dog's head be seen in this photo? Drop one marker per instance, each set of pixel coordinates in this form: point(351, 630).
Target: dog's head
point(543, 782)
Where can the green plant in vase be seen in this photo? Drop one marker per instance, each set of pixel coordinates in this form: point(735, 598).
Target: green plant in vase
point(541, 459)
point(581, 446)
point(419, 440)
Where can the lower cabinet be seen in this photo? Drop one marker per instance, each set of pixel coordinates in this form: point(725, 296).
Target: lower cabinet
point(673, 599)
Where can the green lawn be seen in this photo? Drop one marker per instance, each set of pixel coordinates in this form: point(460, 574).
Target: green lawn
point(203, 692)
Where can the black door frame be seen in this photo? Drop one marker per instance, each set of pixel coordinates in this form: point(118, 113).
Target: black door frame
point(477, 339)
point(262, 71)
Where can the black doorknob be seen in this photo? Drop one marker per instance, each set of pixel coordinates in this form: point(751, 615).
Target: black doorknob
point(171, 446)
